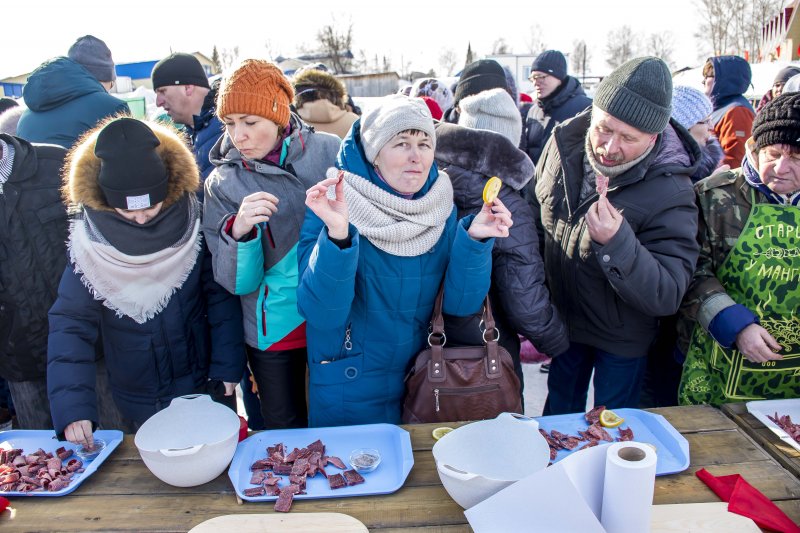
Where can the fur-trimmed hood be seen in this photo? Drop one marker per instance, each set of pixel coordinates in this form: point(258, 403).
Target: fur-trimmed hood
point(483, 152)
point(82, 168)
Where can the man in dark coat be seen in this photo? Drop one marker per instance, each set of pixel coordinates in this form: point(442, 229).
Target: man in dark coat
point(616, 263)
point(182, 89)
point(67, 96)
point(558, 98)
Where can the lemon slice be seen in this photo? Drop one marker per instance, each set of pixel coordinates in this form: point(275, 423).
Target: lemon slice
point(491, 189)
point(609, 419)
point(438, 433)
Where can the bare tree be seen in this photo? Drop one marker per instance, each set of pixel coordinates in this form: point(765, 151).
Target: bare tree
point(386, 65)
point(271, 51)
point(448, 61)
point(228, 57)
point(580, 57)
point(734, 26)
point(470, 55)
point(336, 42)
point(500, 47)
point(535, 41)
point(662, 45)
point(215, 60)
point(622, 44)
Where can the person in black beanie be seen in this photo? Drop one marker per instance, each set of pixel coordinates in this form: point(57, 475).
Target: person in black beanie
point(183, 91)
point(477, 77)
point(614, 206)
point(140, 279)
point(739, 327)
point(557, 97)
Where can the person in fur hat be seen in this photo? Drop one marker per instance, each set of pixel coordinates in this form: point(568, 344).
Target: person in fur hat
point(253, 211)
point(482, 145)
point(373, 254)
point(137, 278)
point(320, 100)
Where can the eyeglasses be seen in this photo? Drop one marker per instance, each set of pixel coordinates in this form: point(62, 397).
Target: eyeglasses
point(705, 78)
point(536, 77)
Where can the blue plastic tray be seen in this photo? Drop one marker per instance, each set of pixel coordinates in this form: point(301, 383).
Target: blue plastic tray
point(32, 440)
point(393, 443)
point(671, 448)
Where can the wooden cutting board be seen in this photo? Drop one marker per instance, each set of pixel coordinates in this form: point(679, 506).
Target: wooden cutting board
point(280, 522)
point(700, 518)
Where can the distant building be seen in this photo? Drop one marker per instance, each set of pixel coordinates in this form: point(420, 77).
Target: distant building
point(377, 84)
point(13, 85)
point(780, 36)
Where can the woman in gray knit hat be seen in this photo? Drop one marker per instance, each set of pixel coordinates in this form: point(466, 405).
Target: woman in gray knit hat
point(379, 238)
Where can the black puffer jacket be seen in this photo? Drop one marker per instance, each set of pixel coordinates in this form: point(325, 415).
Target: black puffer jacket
point(612, 295)
point(33, 232)
point(520, 299)
point(568, 100)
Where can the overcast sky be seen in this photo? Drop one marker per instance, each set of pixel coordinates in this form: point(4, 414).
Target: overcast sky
point(412, 32)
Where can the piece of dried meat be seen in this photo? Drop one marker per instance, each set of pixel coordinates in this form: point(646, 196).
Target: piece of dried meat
point(352, 477)
point(284, 502)
point(336, 481)
point(625, 434)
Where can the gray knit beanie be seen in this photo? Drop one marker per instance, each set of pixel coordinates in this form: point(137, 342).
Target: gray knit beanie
point(690, 105)
point(492, 110)
point(94, 56)
point(639, 93)
point(396, 113)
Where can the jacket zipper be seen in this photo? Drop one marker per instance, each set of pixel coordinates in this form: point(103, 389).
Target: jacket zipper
point(264, 312)
point(460, 391)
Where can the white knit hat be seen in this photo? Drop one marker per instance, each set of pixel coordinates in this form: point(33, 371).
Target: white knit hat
point(396, 114)
point(492, 110)
point(689, 105)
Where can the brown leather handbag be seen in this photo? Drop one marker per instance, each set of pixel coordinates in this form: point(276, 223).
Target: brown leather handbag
point(448, 384)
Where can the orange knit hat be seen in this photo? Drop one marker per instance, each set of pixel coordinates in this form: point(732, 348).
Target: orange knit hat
point(256, 87)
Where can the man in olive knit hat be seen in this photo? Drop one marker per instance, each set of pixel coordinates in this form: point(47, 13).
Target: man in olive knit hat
point(616, 216)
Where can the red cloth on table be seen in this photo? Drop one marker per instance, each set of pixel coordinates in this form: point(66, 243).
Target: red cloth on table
point(746, 500)
point(3, 504)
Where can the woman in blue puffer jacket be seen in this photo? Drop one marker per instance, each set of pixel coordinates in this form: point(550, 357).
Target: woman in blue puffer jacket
point(373, 254)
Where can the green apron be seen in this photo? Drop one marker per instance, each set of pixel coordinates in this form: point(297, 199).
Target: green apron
point(762, 273)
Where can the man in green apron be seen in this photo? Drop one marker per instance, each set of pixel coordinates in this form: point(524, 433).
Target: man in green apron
point(745, 296)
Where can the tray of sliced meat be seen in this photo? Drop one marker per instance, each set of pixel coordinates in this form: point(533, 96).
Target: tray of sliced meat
point(34, 463)
point(567, 434)
point(307, 463)
point(782, 417)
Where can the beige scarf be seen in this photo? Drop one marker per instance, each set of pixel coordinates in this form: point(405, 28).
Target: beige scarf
point(137, 286)
point(406, 228)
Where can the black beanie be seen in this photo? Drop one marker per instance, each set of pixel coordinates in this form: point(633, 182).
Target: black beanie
point(179, 69)
point(785, 73)
point(480, 76)
point(132, 175)
point(552, 62)
point(778, 122)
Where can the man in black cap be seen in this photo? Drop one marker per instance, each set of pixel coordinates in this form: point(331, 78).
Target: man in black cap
point(476, 77)
point(616, 215)
point(182, 89)
point(558, 97)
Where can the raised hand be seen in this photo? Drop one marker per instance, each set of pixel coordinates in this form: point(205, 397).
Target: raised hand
point(493, 220)
point(255, 208)
point(603, 221)
point(332, 212)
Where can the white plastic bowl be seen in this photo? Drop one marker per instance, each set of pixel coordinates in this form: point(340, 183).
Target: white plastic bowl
point(190, 442)
point(479, 459)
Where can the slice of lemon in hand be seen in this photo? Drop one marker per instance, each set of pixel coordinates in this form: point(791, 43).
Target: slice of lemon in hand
point(438, 433)
point(491, 189)
point(610, 419)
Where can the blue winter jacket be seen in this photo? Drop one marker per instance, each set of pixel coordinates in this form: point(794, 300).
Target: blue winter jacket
point(207, 129)
point(64, 101)
point(368, 311)
point(148, 364)
point(732, 77)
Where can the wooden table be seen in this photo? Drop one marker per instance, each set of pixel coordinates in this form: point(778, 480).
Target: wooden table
point(786, 456)
point(124, 496)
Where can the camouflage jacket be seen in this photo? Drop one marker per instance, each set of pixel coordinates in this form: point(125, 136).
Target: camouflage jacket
point(724, 204)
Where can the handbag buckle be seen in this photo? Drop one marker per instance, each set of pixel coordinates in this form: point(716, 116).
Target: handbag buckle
point(434, 335)
point(496, 335)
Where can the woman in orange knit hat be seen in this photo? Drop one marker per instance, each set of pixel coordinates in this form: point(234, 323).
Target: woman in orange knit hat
point(254, 207)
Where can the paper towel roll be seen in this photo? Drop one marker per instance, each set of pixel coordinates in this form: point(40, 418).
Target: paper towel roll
point(628, 487)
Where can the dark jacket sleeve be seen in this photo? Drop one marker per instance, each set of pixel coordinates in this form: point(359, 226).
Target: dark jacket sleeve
point(651, 269)
point(74, 326)
point(225, 321)
point(518, 278)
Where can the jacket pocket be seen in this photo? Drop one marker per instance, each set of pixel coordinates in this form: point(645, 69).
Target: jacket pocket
point(337, 372)
point(51, 212)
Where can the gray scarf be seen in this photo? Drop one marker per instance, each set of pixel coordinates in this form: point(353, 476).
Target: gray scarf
point(406, 228)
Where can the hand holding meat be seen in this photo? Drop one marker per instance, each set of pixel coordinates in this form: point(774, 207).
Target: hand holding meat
point(332, 212)
point(493, 220)
point(80, 432)
point(255, 209)
point(757, 345)
point(603, 221)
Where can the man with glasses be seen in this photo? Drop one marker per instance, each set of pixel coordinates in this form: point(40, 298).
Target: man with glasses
point(725, 80)
point(740, 327)
point(557, 97)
